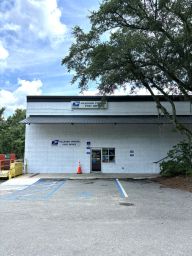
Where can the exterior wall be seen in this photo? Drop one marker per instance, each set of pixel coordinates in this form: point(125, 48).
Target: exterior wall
point(149, 142)
point(114, 108)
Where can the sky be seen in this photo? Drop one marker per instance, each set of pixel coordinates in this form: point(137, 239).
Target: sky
point(34, 37)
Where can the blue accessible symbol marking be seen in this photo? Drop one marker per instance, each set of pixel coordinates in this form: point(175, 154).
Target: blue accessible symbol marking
point(85, 194)
point(41, 190)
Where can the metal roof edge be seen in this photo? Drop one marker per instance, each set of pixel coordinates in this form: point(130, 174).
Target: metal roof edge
point(35, 119)
point(125, 98)
point(105, 116)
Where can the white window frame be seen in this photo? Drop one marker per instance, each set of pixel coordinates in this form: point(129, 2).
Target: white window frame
point(108, 156)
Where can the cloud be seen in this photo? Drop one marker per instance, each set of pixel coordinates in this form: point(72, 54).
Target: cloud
point(33, 19)
point(10, 27)
point(4, 54)
point(46, 21)
point(30, 31)
point(120, 91)
point(17, 98)
point(94, 92)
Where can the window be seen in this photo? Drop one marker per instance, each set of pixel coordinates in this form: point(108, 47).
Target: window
point(108, 155)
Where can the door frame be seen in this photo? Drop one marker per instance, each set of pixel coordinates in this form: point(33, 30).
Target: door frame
point(91, 160)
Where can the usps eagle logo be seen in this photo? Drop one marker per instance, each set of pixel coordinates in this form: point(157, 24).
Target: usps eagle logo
point(76, 104)
point(55, 142)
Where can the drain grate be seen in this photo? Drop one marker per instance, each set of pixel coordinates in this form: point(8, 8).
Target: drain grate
point(126, 204)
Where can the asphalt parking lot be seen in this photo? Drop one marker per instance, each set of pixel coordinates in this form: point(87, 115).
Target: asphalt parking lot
point(92, 217)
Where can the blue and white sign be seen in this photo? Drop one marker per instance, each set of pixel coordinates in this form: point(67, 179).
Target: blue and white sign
point(89, 104)
point(65, 143)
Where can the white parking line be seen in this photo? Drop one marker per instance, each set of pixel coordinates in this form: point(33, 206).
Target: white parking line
point(121, 189)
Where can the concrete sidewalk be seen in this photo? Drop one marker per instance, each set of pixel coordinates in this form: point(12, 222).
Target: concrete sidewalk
point(25, 180)
point(91, 176)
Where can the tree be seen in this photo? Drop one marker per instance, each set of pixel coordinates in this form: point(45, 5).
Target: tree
point(1, 114)
point(12, 133)
point(142, 43)
point(2, 128)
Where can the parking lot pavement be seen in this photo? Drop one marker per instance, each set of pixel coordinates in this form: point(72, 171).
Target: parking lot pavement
point(46, 189)
point(86, 218)
point(74, 190)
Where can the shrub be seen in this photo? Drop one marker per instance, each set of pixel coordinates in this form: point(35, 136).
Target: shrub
point(179, 160)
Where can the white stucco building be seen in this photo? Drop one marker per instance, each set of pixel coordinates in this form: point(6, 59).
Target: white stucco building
point(115, 134)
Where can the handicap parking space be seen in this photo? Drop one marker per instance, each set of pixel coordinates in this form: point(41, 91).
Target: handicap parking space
point(88, 189)
point(40, 190)
point(62, 189)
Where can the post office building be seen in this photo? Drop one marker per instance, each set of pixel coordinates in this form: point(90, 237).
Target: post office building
point(111, 134)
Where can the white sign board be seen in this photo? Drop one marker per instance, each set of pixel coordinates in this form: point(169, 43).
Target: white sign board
point(65, 143)
point(89, 104)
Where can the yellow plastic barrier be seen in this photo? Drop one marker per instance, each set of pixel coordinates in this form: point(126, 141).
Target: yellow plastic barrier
point(16, 169)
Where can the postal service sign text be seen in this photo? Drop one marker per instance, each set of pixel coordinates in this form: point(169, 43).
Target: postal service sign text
point(89, 104)
point(65, 143)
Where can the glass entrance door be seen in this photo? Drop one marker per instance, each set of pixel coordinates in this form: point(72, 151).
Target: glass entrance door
point(96, 160)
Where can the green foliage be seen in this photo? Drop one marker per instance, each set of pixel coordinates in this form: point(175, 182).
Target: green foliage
point(12, 133)
point(179, 160)
point(147, 43)
point(139, 44)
